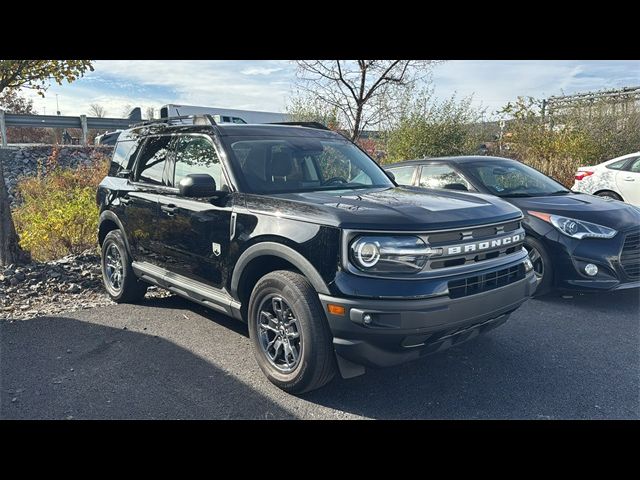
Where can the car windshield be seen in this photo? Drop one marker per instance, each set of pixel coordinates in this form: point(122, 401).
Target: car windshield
point(295, 164)
point(513, 179)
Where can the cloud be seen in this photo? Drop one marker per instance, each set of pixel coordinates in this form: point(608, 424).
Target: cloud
point(496, 82)
point(259, 71)
point(267, 84)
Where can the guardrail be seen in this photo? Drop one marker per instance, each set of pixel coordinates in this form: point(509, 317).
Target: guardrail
point(57, 121)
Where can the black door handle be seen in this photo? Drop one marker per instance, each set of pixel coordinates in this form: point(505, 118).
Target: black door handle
point(170, 209)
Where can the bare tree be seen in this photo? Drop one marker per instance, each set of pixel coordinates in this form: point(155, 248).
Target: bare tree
point(361, 91)
point(150, 113)
point(97, 110)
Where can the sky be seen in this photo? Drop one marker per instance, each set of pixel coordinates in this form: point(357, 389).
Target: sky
point(266, 84)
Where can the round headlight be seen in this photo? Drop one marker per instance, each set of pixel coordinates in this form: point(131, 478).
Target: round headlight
point(368, 254)
point(389, 253)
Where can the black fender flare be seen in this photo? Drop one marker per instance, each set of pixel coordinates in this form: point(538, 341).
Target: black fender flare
point(109, 215)
point(284, 252)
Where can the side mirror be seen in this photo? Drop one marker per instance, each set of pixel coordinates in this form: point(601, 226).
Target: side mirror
point(197, 185)
point(391, 175)
point(456, 186)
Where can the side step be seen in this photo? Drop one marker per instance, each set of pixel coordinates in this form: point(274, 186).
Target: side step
point(188, 288)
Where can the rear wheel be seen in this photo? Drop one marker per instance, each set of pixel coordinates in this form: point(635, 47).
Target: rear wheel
point(120, 282)
point(541, 265)
point(289, 332)
point(609, 194)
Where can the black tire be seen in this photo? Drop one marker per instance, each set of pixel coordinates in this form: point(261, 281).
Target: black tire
point(609, 194)
point(316, 364)
point(129, 288)
point(541, 260)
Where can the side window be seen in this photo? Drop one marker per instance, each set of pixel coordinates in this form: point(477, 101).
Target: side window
point(123, 155)
point(440, 176)
point(403, 175)
point(635, 166)
point(618, 165)
point(152, 159)
point(196, 155)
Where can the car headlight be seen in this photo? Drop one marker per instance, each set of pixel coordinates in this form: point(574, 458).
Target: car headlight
point(576, 228)
point(389, 254)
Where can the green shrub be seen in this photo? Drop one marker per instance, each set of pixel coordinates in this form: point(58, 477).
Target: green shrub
point(428, 127)
point(57, 214)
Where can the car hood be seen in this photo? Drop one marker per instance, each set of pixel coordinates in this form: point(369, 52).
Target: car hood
point(400, 208)
point(610, 213)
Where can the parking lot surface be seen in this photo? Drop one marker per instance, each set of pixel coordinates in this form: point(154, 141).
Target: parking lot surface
point(556, 358)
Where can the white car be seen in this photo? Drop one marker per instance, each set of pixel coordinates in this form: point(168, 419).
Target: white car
point(618, 178)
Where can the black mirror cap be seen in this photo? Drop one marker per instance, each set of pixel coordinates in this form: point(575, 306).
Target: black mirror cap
point(390, 175)
point(197, 185)
point(456, 186)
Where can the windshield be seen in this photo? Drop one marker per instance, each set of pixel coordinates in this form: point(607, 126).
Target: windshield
point(514, 179)
point(294, 164)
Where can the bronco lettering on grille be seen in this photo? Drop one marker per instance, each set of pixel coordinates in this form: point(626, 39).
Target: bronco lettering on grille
point(484, 245)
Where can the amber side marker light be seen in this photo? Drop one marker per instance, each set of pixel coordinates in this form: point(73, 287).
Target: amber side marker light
point(542, 216)
point(335, 309)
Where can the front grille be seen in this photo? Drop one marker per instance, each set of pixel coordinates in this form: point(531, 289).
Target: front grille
point(478, 235)
point(630, 256)
point(483, 283)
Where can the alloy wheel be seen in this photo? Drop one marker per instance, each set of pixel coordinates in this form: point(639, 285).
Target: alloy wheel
point(280, 335)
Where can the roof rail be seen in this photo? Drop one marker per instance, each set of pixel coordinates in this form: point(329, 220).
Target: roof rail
point(180, 120)
point(317, 125)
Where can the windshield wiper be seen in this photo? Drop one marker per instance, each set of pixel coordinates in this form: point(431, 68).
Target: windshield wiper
point(561, 192)
point(515, 195)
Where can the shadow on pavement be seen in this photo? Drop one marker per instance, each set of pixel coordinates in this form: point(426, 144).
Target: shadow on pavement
point(55, 368)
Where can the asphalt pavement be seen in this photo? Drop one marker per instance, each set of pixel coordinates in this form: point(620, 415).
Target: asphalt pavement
point(556, 358)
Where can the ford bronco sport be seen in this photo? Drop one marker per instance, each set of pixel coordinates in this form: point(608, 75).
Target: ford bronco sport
point(296, 231)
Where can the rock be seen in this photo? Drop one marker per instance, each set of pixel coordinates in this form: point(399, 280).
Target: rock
point(20, 276)
point(74, 288)
point(14, 281)
point(68, 350)
point(14, 400)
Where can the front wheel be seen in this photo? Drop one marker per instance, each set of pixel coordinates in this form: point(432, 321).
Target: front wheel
point(541, 265)
point(289, 333)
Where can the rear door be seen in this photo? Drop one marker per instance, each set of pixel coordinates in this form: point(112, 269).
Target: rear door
point(149, 182)
point(628, 182)
point(194, 233)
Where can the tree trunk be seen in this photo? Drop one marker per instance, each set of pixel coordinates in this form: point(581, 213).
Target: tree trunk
point(10, 251)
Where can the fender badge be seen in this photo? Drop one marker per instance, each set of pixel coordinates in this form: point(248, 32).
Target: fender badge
point(216, 249)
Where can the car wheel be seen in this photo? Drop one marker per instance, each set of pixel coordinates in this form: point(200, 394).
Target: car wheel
point(542, 266)
point(609, 194)
point(121, 283)
point(289, 333)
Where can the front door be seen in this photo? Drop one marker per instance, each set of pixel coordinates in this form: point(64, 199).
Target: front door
point(628, 182)
point(194, 234)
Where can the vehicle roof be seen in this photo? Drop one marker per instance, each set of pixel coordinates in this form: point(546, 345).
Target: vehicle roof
point(228, 129)
point(452, 159)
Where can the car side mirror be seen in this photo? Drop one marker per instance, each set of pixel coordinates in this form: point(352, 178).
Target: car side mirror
point(197, 185)
point(391, 175)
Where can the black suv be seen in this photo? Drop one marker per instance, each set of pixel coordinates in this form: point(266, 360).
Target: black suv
point(295, 230)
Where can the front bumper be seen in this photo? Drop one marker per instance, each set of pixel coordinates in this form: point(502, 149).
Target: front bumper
point(403, 330)
point(569, 257)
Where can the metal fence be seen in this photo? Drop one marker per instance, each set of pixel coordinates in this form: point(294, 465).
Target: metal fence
point(57, 121)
